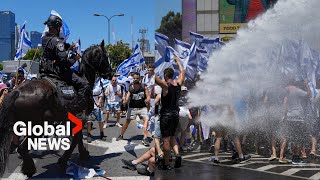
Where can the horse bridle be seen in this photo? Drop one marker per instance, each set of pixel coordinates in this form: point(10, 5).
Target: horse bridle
point(86, 62)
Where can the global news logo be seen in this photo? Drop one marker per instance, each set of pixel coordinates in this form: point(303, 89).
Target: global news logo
point(48, 137)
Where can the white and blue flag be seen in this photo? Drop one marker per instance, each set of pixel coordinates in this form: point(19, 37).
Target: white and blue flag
point(161, 43)
point(210, 44)
point(76, 65)
point(197, 38)
point(202, 56)
point(131, 63)
point(24, 43)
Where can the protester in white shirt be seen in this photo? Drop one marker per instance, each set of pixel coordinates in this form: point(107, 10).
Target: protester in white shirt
point(114, 96)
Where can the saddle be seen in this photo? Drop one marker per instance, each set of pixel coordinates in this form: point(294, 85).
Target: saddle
point(66, 94)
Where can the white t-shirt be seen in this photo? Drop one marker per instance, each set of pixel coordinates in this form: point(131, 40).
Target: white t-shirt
point(112, 91)
point(150, 83)
point(96, 94)
point(157, 89)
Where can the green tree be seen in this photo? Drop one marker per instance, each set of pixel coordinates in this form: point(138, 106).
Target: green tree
point(30, 54)
point(118, 53)
point(1, 67)
point(171, 26)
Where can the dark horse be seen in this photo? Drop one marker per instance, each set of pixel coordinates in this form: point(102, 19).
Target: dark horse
point(37, 101)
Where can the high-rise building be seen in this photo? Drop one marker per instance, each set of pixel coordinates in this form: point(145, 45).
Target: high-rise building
point(7, 35)
point(35, 38)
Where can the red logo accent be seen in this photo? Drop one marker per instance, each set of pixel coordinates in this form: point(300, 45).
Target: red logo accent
point(77, 121)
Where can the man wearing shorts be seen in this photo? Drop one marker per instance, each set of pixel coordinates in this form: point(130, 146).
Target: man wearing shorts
point(169, 113)
point(139, 99)
point(114, 96)
point(96, 114)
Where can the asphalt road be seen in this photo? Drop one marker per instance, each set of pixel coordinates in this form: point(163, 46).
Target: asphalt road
point(105, 155)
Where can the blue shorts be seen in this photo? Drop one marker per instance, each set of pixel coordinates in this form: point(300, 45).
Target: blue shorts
point(95, 115)
point(115, 105)
point(155, 127)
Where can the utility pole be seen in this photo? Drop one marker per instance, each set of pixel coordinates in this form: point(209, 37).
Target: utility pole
point(143, 39)
point(132, 45)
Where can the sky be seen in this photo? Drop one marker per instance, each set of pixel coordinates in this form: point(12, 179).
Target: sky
point(78, 14)
point(162, 7)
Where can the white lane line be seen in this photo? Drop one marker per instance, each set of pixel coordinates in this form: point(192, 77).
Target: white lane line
point(249, 162)
point(315, 176)
point(269, 172)
point(115, 146)
point(194, 155)
point(264, 168)
point(17, 175)
point(123, 178)
point(295, 170)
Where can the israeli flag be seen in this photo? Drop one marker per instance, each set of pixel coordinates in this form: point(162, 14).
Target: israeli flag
point(76, 65)
point(197, 38)
point(139, 57)
point(64, 30)
point(184, 50)
point(202, 56)
point(1, 75)
point(128, 65)
point(105, 82)
point(171, 53)
point(124, 82)
point(24, 43)
point(211, 44)
point(192, 64)
point(161, 43)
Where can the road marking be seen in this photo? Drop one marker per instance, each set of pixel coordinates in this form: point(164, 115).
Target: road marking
point(264, 168)
point(17, 174)
point(123, 178)
point(315, 176)
point(247, 163)
point(194, 155)
point(115, 146)
point(295, 170)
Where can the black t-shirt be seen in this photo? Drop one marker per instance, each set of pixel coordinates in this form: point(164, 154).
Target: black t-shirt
point(170, 102)
point(137, 97)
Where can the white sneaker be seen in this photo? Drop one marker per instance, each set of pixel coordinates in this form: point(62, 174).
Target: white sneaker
point(118, 124)
point(105, 125)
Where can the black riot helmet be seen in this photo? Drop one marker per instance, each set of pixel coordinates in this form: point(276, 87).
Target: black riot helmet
point(53, 22)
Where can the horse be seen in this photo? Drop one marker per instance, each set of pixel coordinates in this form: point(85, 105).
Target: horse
point(37, 101)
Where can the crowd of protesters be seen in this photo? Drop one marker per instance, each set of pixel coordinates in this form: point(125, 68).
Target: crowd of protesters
point(287, 114)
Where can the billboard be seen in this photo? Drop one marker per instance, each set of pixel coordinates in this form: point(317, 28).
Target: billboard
point(236, 13)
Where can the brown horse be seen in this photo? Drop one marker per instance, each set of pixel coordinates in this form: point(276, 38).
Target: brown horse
point(37, 101)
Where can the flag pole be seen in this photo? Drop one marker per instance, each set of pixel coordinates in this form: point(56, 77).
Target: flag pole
point(32, 61)
point(18, 69)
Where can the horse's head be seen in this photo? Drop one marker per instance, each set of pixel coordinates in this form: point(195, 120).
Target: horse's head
point(95, 57)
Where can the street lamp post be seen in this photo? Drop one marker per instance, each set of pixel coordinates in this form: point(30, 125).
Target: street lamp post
point(108, 22)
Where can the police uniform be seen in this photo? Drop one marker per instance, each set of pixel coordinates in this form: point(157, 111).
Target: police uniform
point(56, 63)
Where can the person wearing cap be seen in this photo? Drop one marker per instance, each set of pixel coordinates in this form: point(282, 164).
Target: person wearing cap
point(3, 92)
point(56, 63)
point(5, 81)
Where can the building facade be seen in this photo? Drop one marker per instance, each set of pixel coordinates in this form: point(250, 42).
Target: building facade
point(223, 18)
point(7, 35)
point(35, 38)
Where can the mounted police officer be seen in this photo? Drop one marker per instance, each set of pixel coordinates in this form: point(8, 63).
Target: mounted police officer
point(56, 63)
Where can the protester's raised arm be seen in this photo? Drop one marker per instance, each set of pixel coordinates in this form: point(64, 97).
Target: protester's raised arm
point(182, 73)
